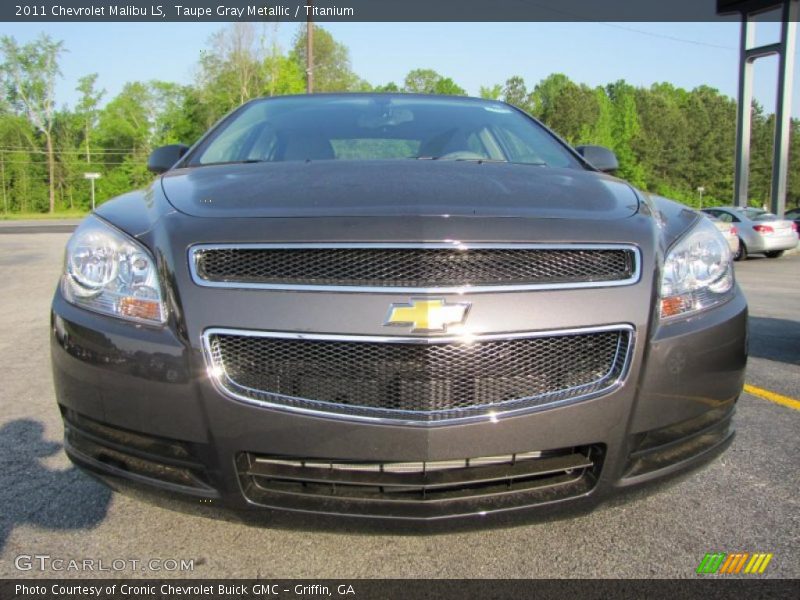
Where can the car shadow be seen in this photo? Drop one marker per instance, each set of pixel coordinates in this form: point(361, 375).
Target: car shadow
point(33, 494)
point(775, 339)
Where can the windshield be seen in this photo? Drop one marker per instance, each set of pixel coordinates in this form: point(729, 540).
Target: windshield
point(380, 127)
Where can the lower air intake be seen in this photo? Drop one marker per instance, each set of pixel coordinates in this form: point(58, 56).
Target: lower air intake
point(419, 489)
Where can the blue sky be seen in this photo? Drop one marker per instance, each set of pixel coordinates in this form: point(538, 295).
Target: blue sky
point(473, 54)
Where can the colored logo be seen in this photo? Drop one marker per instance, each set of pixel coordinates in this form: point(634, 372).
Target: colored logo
point(721, 563)
point(427, 315)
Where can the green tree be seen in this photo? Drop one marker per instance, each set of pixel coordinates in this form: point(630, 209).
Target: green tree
point(761, 147)
point(491, 93)
point(544, 97)
point(30, 74)
point(428, 81)
point(447, 87)
point(331, 69)
point(793, 182)
point(125, 129)
point(285, 76)
point(662, 139)
point(168, 119)
point(87, 108)
point(125, 122)
point(23, 172)
point(515, 92)
point(421, 81)
point(625, 129)
point(231, 70)
point(242, 62)
point(565, 107)
point(668, 140)
point(389, 88)
point(601, 132)
point(70, 161)
point(710, 137)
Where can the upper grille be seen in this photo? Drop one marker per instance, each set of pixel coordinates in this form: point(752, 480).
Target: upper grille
point(422, 380)
point(411, 267)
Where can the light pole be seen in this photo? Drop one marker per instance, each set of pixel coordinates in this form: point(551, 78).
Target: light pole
point(700, 190)
point(91, 177)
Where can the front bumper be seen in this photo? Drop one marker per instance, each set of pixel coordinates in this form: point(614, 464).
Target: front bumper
point(139, 408)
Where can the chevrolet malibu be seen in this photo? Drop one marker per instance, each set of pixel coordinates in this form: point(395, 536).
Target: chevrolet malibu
point(394, 307)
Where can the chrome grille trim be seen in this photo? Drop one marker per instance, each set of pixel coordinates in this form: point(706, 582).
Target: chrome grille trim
point(402, 467)
point(198, 279)
point(227, 387)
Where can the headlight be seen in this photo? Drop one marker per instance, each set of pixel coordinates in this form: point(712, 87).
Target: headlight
point(698, 272)
point(108, 272)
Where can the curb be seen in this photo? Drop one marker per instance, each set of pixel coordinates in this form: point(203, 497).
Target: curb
point(43, 226)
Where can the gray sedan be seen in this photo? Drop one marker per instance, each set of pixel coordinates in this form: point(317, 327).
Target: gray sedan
point(759, 231)
point(393, 307)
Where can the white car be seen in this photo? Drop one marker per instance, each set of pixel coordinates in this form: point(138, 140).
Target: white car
point(759, 231)
point(728, 231)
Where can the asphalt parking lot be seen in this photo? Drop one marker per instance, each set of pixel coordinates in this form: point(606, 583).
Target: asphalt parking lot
point(747, 500)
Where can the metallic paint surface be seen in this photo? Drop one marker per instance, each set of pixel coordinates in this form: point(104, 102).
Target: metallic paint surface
point(154, 380)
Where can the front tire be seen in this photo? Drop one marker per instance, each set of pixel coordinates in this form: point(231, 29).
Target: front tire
point(774, 254)
point(742, 253)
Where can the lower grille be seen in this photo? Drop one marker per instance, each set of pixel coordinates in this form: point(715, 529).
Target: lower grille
point(394, 488)
point(660, 448)
point(417, 380)
point(134, 455)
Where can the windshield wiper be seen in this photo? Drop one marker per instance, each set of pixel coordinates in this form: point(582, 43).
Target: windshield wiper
point(480, 160)
point(246, 161)
point(476, 159)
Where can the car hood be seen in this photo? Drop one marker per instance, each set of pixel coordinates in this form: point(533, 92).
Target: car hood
point(397, 188)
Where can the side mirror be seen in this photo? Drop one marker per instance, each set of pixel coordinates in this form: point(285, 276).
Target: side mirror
point(600, 157)
point(163, 158)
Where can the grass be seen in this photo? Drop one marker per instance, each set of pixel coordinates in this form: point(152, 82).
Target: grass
point(30, 216)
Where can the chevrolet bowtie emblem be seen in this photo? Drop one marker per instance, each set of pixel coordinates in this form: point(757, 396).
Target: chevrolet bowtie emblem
point(429, 316)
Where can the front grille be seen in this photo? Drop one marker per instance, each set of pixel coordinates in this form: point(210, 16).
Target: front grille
point(433, 266)
point(422, 380)
point(392, 488)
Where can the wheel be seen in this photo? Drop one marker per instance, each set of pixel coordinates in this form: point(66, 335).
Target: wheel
point(742, 253)
point(774, 254)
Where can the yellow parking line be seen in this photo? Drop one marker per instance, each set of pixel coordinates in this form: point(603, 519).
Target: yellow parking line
point(772, 396)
